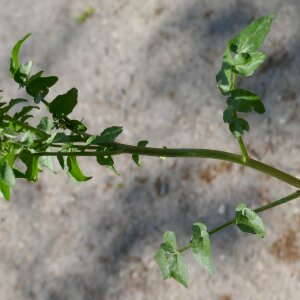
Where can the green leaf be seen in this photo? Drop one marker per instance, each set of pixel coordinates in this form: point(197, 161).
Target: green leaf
point(245, 64)
point(252, 37)
point(45, 124)
point(90, 140)
point(229, 115)
point(12, 103)
point(108, 162)
point(34, 77)
point(163, 263)
point(6, 173)
point(248, 221)
point(70, 166)
point(170, 238)
point(38, 87)
point(64, 104)
point(108, 135)
point(170, 261)
point(47, 162)
point(14, 63)
point(179, 270)
point(76, 126)
point(32, 164)
point(245, 101)
point(22, 73)
point(24, 111)
point(224, 76)
point(238, 126)
point(4, 190)
point(201, 246)
point(136, 157)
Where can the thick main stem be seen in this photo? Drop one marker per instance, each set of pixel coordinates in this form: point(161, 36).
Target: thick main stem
point(183, 152)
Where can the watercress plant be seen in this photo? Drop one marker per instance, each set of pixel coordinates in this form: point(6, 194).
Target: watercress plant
point(27, 149)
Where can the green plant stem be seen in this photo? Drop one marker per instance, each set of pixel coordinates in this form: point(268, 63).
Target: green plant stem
point(233, 81)
point(260, 209)
point(183, 152)
point(243, 149)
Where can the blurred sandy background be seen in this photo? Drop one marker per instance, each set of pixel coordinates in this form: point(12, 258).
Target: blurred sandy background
point(150, 66)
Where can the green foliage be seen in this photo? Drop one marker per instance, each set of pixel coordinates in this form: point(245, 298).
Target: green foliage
point(64, 104)
point(245, 60)
point(201, 246)
point(70, 165)
point(26, 149)
point(108, 135)
point(248, 221)
point(171, 261)
point(136, 157)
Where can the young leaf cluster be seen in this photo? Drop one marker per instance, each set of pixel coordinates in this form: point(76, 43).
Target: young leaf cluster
point(241, 58)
